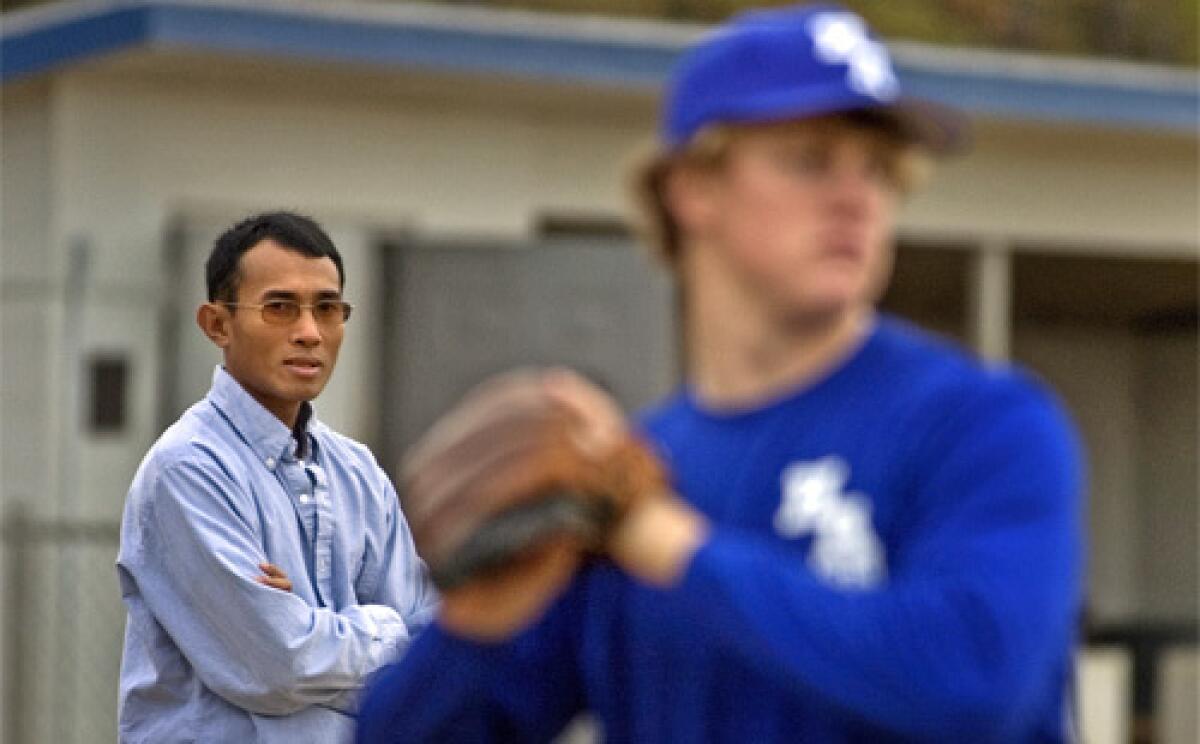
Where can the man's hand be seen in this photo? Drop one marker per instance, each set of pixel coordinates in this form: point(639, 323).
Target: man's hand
point(274, 577)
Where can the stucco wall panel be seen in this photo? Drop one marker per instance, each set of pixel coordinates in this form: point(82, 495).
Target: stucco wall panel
point(1079, 187)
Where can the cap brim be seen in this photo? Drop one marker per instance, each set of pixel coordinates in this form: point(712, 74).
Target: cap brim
point(940, 129)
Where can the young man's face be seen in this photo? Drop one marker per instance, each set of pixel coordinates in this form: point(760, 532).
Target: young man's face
point(281, 366)
point(800, 218)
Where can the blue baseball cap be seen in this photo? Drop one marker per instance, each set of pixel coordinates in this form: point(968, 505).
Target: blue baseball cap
point(793, 63)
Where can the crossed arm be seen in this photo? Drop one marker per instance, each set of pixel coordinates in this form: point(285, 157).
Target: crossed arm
point(199, 568)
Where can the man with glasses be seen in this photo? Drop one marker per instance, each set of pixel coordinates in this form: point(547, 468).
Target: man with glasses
point(264, 562)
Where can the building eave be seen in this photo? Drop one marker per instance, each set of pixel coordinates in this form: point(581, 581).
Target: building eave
point(623, 54)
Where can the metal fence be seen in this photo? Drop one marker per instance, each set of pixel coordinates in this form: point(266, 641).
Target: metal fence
point(64, 621)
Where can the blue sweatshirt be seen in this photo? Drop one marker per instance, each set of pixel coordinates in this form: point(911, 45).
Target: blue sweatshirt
point(895, 556)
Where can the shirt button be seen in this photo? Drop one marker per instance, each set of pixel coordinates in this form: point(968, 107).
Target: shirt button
point(304, 498)
point(270, 463)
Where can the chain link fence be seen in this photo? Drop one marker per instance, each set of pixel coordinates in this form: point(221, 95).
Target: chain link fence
point(64, 623)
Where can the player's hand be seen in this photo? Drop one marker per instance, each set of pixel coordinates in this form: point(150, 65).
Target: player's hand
point(274, 577)
point(508, 491)
point(494, 608)
point(598, 424)
point(658, 533)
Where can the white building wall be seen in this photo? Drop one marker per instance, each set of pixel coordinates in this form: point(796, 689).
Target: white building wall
point(29, 274)
point(1090, 190)
point(27, 325)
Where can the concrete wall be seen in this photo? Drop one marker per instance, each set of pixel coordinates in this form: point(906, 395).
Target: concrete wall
point(26, 326)
point(1179, 686)
point(1104, 706)
point(30, 272)
point(1094, 190)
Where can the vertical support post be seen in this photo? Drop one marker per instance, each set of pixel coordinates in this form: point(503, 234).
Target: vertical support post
point(16, 602)
point(990, 299)
point(169, 311)
point(70, 499)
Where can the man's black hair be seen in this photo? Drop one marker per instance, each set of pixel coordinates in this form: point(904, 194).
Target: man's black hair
point(292, 231)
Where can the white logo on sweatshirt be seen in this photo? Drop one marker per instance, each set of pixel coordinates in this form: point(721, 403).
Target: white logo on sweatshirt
point(845, 548)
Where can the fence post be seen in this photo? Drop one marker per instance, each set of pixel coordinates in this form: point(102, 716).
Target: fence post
point(15, 533)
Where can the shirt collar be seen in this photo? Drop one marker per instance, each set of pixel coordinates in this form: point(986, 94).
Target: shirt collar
point(267, 436)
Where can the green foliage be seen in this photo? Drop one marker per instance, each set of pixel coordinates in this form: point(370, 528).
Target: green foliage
point(1163, 31)
point(1188, 15)
point(1148, 30)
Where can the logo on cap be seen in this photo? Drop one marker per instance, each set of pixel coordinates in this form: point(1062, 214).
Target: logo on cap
point(841, 38)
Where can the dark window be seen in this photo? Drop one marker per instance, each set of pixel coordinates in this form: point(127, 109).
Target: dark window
point(108, 378)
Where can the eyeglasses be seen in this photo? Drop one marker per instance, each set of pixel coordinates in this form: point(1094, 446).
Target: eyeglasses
point(286, 312)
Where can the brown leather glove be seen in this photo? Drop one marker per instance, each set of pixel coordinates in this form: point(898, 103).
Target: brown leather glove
point(506, 471)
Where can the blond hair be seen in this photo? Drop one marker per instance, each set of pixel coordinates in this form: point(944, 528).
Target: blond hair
point(708, 151)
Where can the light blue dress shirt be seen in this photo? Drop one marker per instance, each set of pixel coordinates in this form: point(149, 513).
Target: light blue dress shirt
point(210, 654)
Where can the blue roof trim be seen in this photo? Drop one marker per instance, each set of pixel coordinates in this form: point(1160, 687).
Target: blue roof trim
point(1043, 100)
point(389, 45)
point(46, 48)
point(45, 43)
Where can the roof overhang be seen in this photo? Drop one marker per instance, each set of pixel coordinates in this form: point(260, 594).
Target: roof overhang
point(625, 54)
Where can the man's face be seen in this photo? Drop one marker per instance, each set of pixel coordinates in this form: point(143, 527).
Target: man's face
point(799, 219)
point(281, 366)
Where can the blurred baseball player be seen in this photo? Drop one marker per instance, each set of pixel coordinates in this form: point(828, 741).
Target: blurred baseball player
point(264, 561)
point(856, 532)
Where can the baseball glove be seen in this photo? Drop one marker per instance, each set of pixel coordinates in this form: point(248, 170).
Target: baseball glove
point(506, 471)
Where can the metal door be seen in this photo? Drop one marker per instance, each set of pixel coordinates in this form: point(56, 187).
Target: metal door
point(460, 313)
